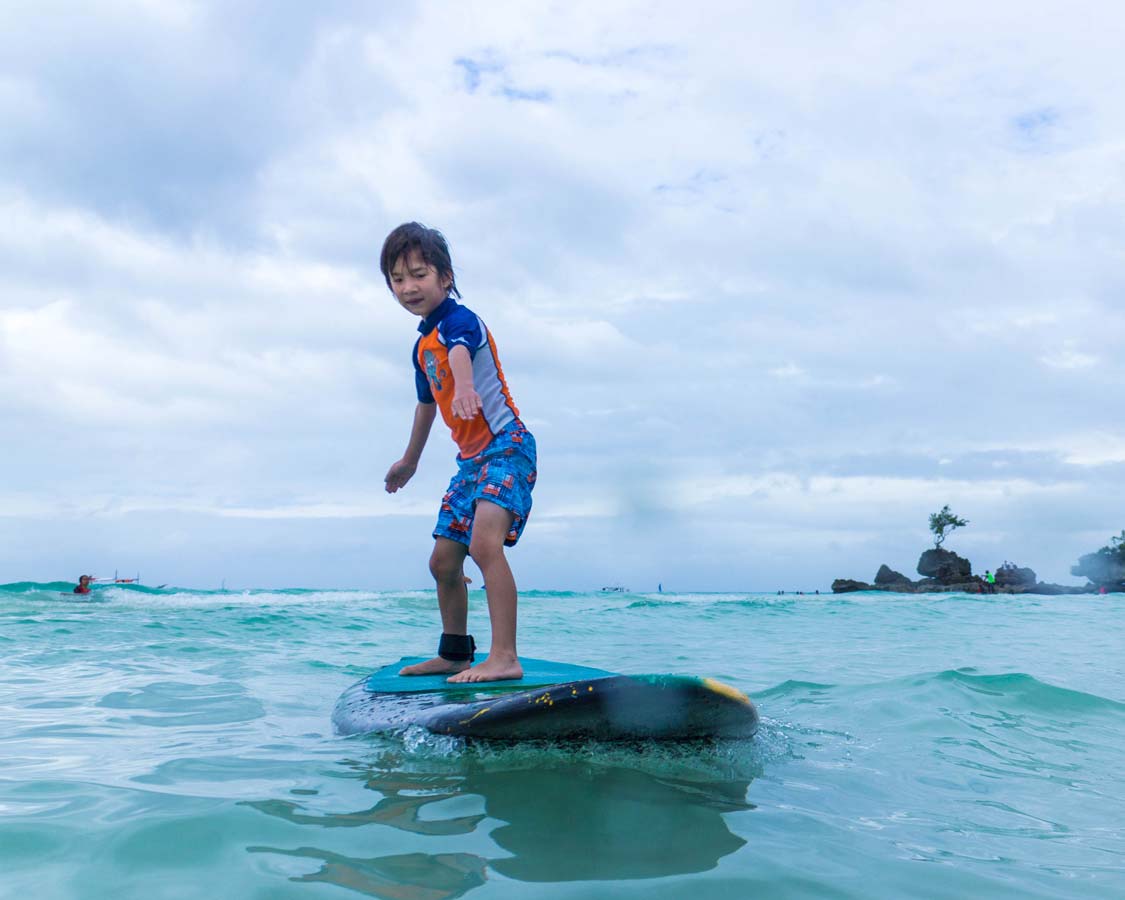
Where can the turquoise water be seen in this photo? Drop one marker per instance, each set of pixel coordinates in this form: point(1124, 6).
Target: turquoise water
point(168, 744)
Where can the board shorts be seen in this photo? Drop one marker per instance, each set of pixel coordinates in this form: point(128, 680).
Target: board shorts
point(502, 473)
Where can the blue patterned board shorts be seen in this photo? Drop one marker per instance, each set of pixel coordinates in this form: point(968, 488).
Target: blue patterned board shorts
point(502, 473)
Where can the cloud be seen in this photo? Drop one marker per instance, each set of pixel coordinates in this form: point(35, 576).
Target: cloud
point(1069, 357)
point(819, 266)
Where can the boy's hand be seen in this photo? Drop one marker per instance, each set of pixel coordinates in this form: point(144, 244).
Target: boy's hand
point(398, 474)
point(466, 404)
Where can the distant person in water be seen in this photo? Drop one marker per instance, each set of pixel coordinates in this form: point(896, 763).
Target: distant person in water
point(83, 584)
point(990, 580)
point(457, 371)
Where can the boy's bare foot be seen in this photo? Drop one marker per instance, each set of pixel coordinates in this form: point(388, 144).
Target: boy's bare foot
point(435, 666)
point(490, 670)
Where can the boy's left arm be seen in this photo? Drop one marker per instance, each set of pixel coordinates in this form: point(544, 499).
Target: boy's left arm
point(466, 400)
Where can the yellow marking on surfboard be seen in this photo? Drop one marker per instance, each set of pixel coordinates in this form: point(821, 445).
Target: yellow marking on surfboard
point(726, 690)
point(544, 698)
point(480, 712)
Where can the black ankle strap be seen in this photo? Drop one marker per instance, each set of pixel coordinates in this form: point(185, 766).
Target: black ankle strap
point(457, 647)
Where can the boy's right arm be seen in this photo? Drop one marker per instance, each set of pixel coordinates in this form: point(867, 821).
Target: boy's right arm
point(403, 470)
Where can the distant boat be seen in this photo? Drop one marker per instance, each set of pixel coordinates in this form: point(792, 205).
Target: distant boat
point(116, 580)
point(615, 589)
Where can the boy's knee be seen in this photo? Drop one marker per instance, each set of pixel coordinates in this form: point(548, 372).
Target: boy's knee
point(483, 551)
point(445, 567)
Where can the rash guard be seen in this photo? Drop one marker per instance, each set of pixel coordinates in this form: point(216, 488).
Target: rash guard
point(448, 326)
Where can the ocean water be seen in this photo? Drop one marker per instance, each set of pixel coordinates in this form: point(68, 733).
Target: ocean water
point(178, 744)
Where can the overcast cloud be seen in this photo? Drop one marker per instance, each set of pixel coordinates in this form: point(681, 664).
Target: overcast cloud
point(770, 285)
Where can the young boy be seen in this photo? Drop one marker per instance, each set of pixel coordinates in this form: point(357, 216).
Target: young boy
point(457, 370)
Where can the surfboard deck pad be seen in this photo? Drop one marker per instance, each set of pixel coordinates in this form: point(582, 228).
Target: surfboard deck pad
point(552, 701)
point(536, 673)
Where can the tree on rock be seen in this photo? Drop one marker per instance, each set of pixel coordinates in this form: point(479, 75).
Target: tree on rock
point(941, 523)
point(1106, 566)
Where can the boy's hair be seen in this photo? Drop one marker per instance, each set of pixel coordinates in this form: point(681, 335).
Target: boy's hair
point(430, 244)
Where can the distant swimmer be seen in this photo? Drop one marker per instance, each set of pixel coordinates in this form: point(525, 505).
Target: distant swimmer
point(83, 584)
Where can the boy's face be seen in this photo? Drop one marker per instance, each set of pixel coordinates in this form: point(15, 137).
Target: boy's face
point(416, 284)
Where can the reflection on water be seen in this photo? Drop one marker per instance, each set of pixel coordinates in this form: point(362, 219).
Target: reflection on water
point(581, 824)
point(566, 820)
point(408, 876)
point(396, 808)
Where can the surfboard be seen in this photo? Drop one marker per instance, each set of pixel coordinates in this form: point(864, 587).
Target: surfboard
point(553, 701)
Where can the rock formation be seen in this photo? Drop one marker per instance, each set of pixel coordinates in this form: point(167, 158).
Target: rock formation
point(849, 585)
point(1106, 568)
point(1014, 576)
point(887, 575)
point(943, 570)
point(949, 573)
point(944, 566)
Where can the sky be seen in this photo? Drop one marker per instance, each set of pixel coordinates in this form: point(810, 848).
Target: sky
point(771, 283)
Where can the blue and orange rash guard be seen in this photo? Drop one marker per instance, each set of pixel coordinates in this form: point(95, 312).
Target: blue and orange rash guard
point(448, 326)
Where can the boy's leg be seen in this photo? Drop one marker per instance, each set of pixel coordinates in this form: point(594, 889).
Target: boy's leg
point(447, 565)
point(491, 524)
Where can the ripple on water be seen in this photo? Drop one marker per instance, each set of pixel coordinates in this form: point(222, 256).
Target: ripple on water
point(178, 704)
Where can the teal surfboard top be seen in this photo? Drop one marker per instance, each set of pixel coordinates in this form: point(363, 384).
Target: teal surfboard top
point(536, 673)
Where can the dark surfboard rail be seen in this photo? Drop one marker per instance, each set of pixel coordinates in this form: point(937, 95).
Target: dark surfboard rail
point(605, 707)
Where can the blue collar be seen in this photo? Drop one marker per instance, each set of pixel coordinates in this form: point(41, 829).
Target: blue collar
point(431, 321)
